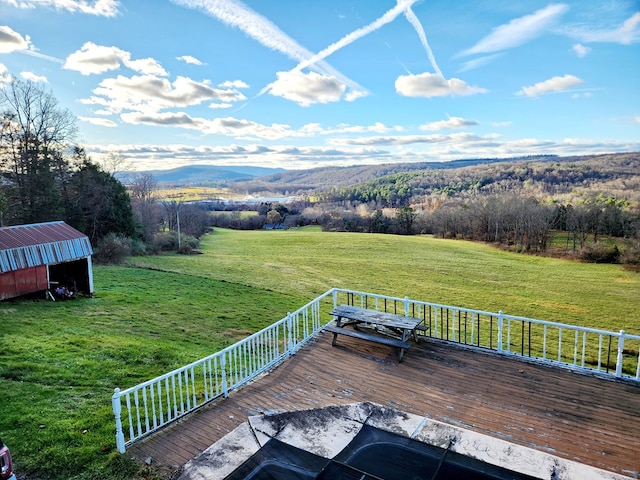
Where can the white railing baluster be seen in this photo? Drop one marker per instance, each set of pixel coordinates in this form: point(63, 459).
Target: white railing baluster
point(146, 409)
point(181, 393)
point(168, 393)
point(500, 323)
point(159, 384)
point(619, 356)
point(153, 406)
point(600, 352)
point(560, 344)
point(175, 399)
point(584, 347)
point(138, 420)
point(130, 418)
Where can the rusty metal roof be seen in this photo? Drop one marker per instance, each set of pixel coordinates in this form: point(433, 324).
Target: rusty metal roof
point(24, 246)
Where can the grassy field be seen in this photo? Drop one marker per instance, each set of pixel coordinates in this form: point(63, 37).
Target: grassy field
point(59, 362)
point(308, 262)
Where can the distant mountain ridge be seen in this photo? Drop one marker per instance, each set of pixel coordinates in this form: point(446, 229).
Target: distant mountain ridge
point(215, 174)
point(206, 174)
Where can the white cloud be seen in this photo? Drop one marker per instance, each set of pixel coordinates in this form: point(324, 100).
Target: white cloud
point(227, 126)
point(555, 84)
point(12, 41)
point(636, 119)
point(4, 75)
point(220, 105)
point(233, 84)
point(101, 122)
point(307, 88)
point(190, 60)
point(146, 66)
point(625, 34)
point(501, 124)
point(104, 8)
point(32, 77)
point(580, 50)
point(398, 140)
point(390, 149)
point(433, 85)
point(148, 93)
point(452, 122)
point(96, 59)
point(518, 31)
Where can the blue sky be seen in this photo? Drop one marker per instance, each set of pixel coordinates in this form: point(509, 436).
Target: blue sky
point(309, 83)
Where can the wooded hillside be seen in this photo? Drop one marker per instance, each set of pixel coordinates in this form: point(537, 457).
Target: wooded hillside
point(565, 179)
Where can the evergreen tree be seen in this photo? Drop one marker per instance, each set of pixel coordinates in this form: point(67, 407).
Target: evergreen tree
point(99, 203)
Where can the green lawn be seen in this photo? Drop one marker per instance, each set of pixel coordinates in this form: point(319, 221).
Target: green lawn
point(60, 361)
point(308, 262)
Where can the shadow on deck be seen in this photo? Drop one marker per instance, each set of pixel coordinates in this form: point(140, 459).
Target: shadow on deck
point(575, 416)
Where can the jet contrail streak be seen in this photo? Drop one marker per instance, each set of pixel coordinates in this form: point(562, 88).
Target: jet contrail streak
point(236, 14)
point(413, 20)
point(388, 17)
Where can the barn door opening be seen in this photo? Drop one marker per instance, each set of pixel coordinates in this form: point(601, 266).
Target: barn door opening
point(73, 275)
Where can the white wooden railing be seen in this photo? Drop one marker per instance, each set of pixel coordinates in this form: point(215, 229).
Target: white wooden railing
point(149, 406)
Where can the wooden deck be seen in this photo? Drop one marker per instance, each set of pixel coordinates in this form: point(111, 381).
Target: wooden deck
point(574, 416)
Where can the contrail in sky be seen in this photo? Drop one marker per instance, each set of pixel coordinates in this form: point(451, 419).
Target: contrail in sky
point(388, 17)
point(236, 14)
point(413, 20)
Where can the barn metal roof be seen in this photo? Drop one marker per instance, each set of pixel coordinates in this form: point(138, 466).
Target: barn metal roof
point(25, 246)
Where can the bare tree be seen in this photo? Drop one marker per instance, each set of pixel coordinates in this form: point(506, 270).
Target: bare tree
point(144, 202)
point(115, 162)
point(35, 143)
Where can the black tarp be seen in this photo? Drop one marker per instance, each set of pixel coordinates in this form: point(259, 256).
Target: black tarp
point(373, 454)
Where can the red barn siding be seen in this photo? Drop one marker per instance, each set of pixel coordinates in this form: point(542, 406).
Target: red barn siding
point(21, 282)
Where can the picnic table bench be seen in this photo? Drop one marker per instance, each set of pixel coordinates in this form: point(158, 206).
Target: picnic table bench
point(349, 315)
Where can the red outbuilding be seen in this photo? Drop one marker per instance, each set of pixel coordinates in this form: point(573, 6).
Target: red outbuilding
point(43, 256)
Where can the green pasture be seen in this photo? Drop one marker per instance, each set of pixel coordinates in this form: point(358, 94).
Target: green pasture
point(60, 361)
point(308, 262)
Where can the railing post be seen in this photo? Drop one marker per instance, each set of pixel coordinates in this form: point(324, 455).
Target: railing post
point(500, 320)
point(406, 306)
point(290, 333)
point(619, 357)
point(335, 298)
point(117, 410)
point(223, 367)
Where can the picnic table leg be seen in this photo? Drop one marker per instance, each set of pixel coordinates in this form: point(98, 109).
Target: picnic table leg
point(335, 335)
point(404, 339)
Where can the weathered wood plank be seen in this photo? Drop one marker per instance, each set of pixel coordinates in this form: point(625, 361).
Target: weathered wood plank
point(575, 416)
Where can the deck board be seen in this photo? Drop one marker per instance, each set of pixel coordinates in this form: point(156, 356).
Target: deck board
point(578, 417)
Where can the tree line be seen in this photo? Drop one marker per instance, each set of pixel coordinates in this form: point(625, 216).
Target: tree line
point(46, 175)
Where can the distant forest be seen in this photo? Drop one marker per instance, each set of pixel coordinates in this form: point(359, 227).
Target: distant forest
point(585, 207)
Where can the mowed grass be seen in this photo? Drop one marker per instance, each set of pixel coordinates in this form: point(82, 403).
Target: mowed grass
point(308, 262)
point(59, 362)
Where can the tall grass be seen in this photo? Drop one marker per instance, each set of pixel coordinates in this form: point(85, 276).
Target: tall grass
point(59, 362)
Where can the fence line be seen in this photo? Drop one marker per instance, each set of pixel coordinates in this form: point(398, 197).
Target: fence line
point(155, 403)
point(606, 352)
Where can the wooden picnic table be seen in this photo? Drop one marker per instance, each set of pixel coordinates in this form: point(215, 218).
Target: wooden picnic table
point(380, 322)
